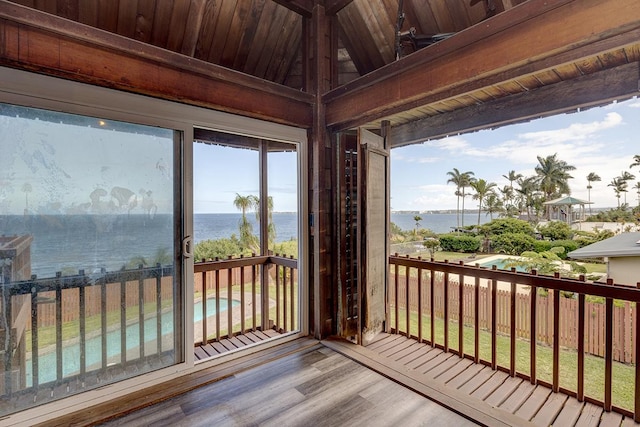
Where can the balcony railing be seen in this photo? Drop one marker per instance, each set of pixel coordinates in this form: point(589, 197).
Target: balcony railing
point(71, 333)
point(575, 337)
point(265, 289)
point(65, 328)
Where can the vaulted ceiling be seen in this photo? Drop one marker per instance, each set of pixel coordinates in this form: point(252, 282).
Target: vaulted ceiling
point(263, 38)
point(492, 62)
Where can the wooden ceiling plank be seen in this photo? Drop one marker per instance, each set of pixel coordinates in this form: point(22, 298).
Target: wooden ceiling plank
point(593, 89)
point(633, 53)
point(278, 21)
point(301, 7)
point(234, 36)
point(425, 21)
point(613, 58)
point(207, 31)
point(380, 28)
point(249, 34)
point(460, 14)
point(161, 23)
point(223, 25)
point(193, 27)
point(262, 33)
point(144, 20)
point(353, 46)
point(49, 6)
point(108, 15)
point(356, 30)
point(548, 77)
point(178, 24)
point(288, 50)
point(444, 20)
point(567, 71)
point(88, 13)
point(529, 82)
point(332, 7)
point(486, 54)
point(68, 9)
point(127, 11)
point(50, 45)
point(27, 3)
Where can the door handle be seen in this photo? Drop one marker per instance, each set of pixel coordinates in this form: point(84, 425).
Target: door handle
point(187, 244)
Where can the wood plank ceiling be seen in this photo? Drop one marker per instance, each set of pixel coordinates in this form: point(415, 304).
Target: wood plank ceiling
point(263, 38)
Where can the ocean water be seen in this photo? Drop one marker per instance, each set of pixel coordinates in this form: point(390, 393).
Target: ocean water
point(68, 243)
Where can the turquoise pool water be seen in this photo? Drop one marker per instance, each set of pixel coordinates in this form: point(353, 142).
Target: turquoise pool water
point(501, 264)
point(93, 346)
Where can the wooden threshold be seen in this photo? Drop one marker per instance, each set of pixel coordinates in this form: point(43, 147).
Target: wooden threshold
point(103, 412)
point(237, 342)
point(476, 391)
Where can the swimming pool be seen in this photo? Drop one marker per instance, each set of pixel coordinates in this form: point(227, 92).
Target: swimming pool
point(211, 307)
point(502, 264)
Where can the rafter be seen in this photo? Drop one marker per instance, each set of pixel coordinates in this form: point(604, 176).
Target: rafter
point(582, 92)
point(494, 51)
point(302, 7)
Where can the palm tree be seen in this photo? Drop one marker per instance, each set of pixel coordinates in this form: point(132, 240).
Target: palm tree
point(592, 177)
point(552, 176)
point(244, 203)
point(493, 204)
point(636, 161)
point(637, 187)
point(619, 186)
point(482, 189)
point(271, 227)
point(458, 179)
point(512, 177)
point(528, 193)
point(626, 177)
point(417, 219)
point(467, 180)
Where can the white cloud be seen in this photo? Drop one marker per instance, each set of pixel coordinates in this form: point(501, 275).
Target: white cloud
point(635, 104)
point(574, 132)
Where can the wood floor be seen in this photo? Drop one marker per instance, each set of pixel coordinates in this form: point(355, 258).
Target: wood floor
point(216, 348)
point(314, 386)
point(456, 381)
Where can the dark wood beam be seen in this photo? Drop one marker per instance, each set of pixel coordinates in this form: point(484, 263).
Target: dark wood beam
point(534, 36)
point(334, 6)
point(302, 7)
point(583, 92)
point(40, 42)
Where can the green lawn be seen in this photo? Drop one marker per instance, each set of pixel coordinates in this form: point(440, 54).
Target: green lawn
point(623, 375)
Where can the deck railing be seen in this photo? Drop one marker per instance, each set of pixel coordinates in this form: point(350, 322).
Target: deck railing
point(47, 317)
point(265, 289)
point(571, 335)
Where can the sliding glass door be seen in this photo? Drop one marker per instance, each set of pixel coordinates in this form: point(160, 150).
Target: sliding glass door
point(89, 244)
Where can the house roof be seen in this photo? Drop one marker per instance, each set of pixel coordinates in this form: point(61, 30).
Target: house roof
point(622, 245)
point(567, 200)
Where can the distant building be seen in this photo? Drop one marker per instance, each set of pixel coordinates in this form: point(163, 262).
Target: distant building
point(621, 253)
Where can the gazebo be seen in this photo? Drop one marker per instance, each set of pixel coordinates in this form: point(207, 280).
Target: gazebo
point(562, 209)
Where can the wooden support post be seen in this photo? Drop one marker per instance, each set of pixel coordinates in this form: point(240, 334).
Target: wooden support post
point(512, 321)
point(432, 322)
point(556, 338)
point(580, 320)
point(636, 315)
point(533, 330)
point(494, 321)
point(476, 310)
point(461, 313)
point(419, 303)
point(446, 311)
point(608, 350)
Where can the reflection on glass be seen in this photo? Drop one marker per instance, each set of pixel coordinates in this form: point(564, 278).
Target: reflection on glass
point(86, 252)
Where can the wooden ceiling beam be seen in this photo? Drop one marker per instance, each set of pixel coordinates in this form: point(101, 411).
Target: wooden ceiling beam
point(534, 36)
point(301, 7)
point(583, 92)
point(332, 7)
point(37, 41)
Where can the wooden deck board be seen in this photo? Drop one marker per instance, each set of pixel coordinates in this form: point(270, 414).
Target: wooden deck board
point(444, 367)
point(464, 376)
point(489, 386)
point(533, 404)
point(503, 392)
point(550, 409)
point(454, 371)
point(611, 419)
point(216, 348)
point(518, 397)
point(390, 351)
point(432, 363)
point(590, 416)
point(421, 351)
point(472, 385)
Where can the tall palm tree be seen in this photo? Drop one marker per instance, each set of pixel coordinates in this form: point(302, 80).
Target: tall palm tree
point(637, 187)
point(636, 161)
point(482, 189)
point(592, 177)
point(619, 186)
point(245, 203)
point(512, 177)
point(417, 220)
point(467, 180)
point(626, 177)
point(552, 176)
point(493, 204)
point(458, 179)
point(528, 193)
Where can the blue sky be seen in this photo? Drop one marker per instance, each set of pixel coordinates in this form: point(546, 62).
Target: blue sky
point(601, 140)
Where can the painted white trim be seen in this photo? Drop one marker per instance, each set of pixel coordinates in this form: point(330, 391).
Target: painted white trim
point(33, 90)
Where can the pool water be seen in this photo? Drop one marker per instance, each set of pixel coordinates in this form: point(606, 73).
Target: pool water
point(502, 264)
point(211, 307)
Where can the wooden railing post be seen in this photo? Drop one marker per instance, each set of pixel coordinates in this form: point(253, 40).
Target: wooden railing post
point(581, 316)
point(461, 313)
point(608, 351)
point(420, 303)
point(556, 337)
point(636, 314)
point(533, 332)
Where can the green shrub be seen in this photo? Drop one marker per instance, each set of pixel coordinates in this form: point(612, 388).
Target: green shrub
point(556, 230)
point(506, 225)
point(542, 245)
point(513, 243)
point(568, 245)
point(220, 248)
point(459, 243)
